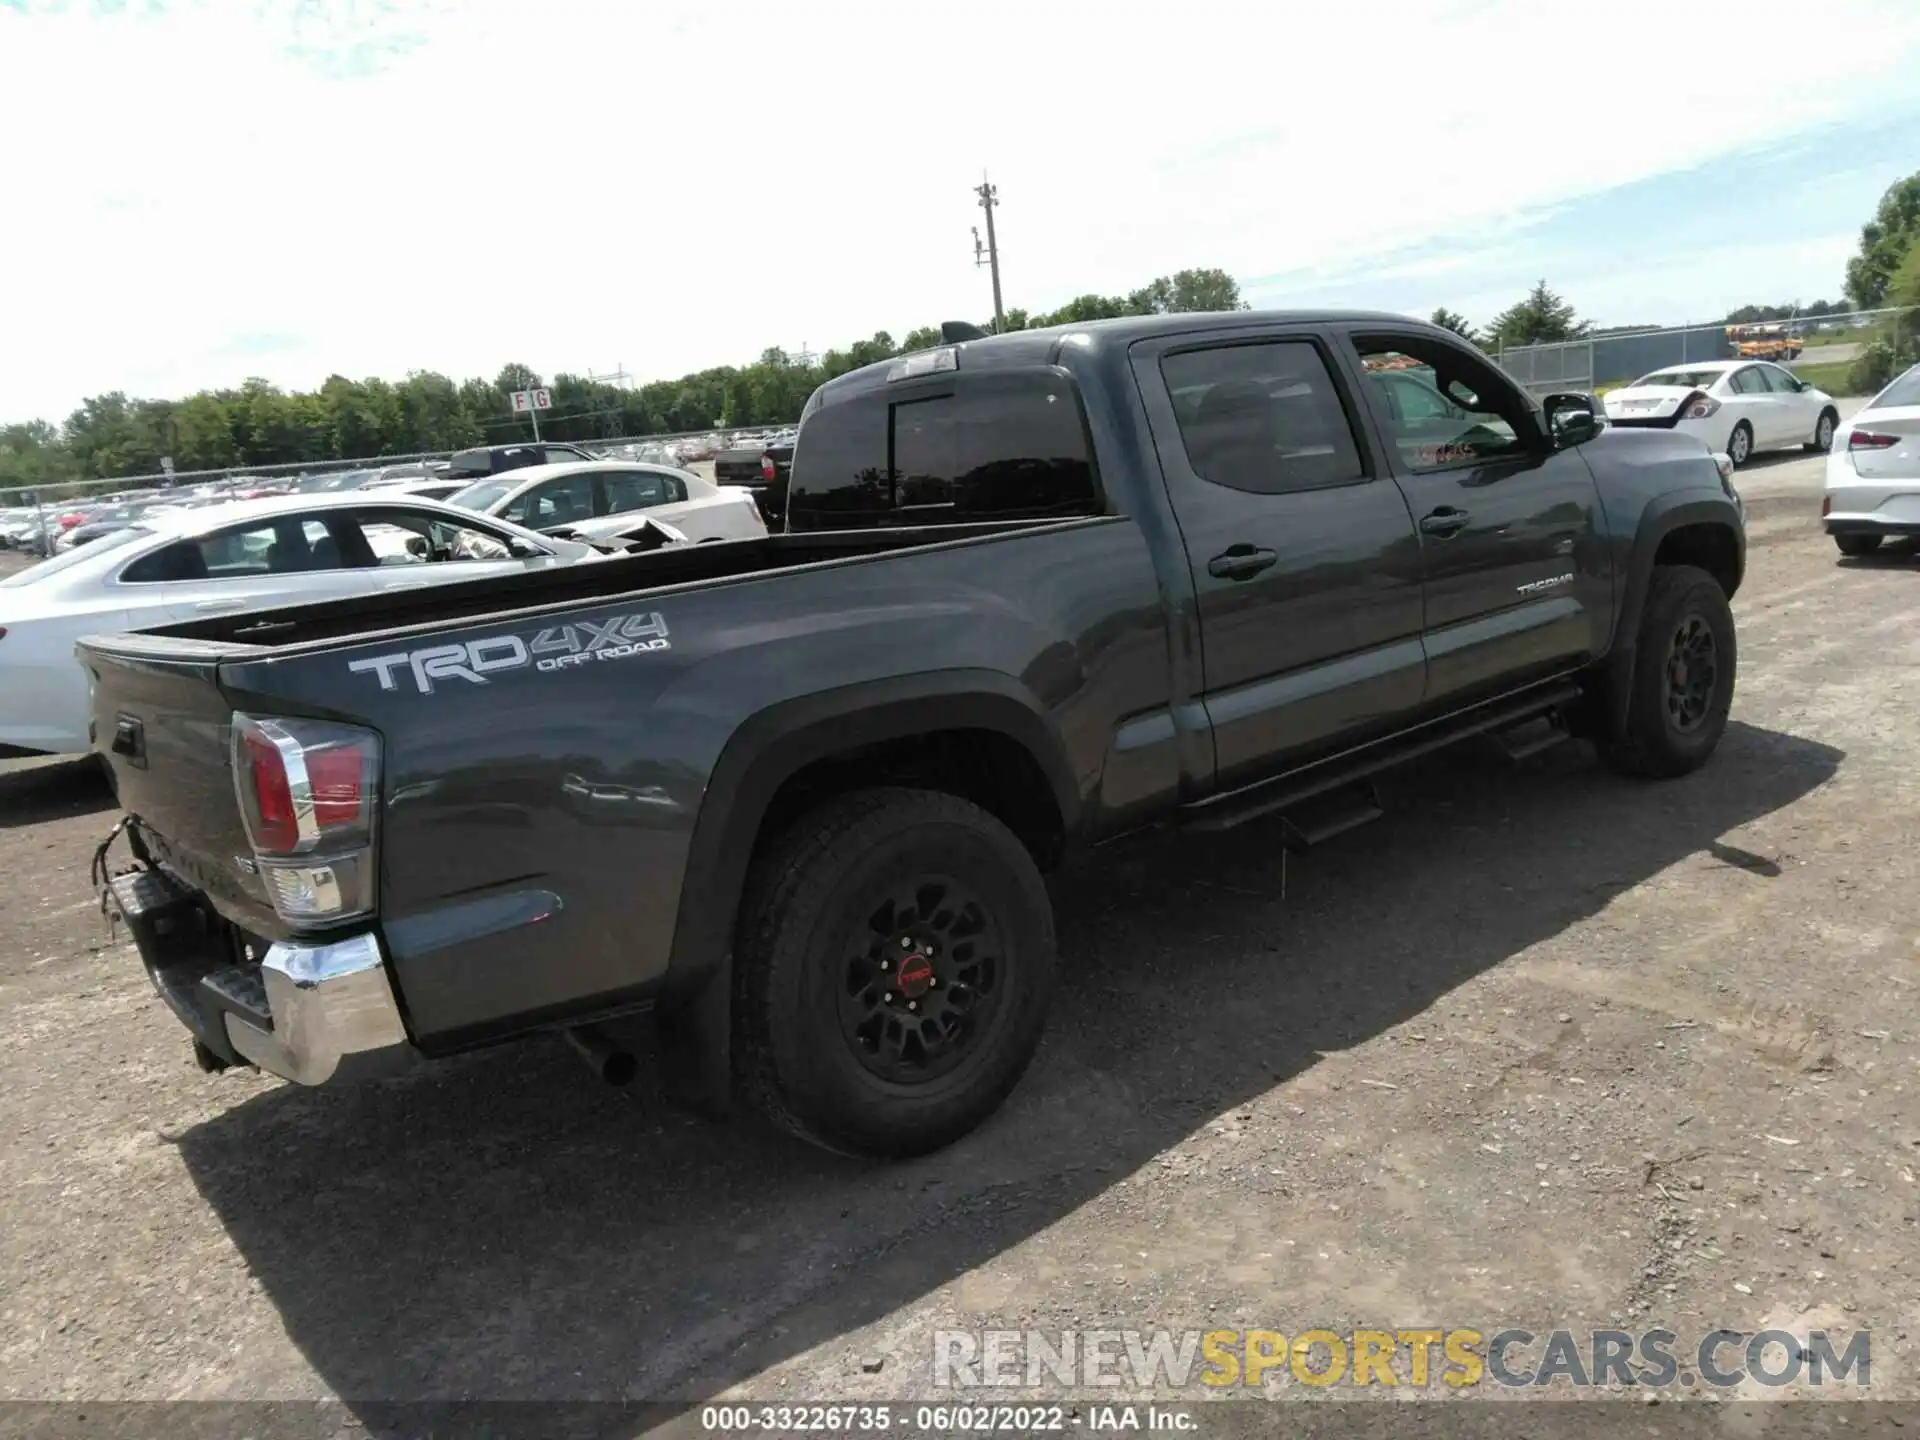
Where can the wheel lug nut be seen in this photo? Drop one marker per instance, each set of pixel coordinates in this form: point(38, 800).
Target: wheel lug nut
point(885, 964)
point(906, 942)
point(888, 997)
point(911, 1005)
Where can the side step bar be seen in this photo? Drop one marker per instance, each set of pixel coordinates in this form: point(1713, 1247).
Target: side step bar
point(1287, 792)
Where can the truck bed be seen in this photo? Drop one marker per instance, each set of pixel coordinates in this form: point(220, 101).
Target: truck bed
point(504, 595)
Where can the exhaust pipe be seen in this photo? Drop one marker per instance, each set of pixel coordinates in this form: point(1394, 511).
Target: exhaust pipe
point(605, 1056)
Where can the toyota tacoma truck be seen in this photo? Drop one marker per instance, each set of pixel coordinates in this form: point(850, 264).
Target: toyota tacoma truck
point(794, 797)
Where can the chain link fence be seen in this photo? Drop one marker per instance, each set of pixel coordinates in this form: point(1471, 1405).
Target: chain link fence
point(1825, 343)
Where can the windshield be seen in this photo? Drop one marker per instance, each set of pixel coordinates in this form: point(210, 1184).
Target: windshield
point(1904, 391)
point(1680, 379)
point(92, 550)
point(479, 497)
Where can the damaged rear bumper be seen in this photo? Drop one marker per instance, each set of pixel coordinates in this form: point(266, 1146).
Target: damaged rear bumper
point(310, 1013)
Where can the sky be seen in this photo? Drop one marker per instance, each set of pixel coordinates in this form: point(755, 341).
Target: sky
point(206, 190)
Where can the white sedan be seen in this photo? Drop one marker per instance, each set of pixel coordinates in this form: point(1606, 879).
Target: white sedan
point(1873, 471)
point(1736, 406)
point(223, 559)
point(593, 499)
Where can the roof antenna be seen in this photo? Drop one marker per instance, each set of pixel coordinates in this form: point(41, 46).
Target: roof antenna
point(954, 331)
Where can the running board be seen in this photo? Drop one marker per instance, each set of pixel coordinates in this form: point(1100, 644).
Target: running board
point(1317, 820)
point(1532, 737)
point(1287, 792)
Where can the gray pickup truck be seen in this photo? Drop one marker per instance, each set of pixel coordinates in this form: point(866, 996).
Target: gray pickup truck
point(794, 797)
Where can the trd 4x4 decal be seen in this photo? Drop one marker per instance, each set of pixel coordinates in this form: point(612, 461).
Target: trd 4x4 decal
point(562, 647)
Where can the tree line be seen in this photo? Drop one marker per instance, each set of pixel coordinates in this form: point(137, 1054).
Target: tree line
point(260, 424)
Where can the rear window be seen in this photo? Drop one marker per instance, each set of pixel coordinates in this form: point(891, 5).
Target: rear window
point(1681, 379)
point(1005, 445)
point(1904, 391)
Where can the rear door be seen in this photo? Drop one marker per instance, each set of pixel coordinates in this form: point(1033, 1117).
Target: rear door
point(1799, 409)
point(1305, 562)
point(1756, 403)
point(1517, 576)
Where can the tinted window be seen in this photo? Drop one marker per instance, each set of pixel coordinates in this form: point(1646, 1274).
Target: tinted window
point(1444, 408)
point(840, 474)
point(1778, 380)
point(1263, 418)
point(640, 489)
point(284, 545)
point(1006, 445)
point(564, 501)
point(1748, 382)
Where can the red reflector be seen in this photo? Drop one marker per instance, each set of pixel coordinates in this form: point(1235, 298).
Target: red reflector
point(1826, 506)
point(1868, 440)
point(335, 778)
point(272, 797)
point(767, 472)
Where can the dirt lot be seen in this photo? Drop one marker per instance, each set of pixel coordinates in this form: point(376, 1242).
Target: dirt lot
point(1542, 1048)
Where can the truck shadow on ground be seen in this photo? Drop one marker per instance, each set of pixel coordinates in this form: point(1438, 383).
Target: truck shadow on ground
point(37, 790)
point(501, 1227)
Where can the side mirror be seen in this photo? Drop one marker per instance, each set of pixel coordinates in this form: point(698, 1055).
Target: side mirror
point(1573, 418)
point(522, 549)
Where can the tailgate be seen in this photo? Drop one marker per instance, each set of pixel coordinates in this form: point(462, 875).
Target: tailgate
point(164, 728)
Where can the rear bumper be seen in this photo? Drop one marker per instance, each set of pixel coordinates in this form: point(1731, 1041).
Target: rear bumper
point(312, 1014)
point(1862, 505)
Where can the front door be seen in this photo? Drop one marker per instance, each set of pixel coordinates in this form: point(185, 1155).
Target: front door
point(1305, 565)
point(1518, 577)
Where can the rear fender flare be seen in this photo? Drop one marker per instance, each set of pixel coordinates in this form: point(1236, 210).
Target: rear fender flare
point(775, 744)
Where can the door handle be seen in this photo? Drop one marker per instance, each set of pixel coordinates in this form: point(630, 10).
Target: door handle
point(219, 604)
point(1240, 562)
point(1444, 521)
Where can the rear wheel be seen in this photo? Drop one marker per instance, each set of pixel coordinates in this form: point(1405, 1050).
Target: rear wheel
point(1740, 444)
point(1682, 684)
point(1823, 430)
point(891, 972)
point(1857, 544)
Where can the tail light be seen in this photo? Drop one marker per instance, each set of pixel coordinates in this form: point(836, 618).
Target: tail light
point(1826, 506)
point(767, 470)
point(308, 793)
point(1870, 440)
point(1702, 407)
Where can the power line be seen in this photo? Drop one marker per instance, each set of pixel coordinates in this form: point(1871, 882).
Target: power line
point(990, 197)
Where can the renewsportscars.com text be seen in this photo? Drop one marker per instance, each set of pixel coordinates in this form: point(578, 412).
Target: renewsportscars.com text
point(1417, 1358)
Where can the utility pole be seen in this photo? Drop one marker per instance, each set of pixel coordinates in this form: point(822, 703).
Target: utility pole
point(990, 197)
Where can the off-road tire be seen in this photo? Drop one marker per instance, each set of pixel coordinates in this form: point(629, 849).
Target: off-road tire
point(1651, 743)
point(805, 894)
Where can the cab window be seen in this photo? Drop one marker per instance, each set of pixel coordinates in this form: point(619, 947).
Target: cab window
point(1001, 445)
point(1443, 408)
point(563, 501)
point(641, 490)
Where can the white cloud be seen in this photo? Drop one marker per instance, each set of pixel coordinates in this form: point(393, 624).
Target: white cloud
point(207, 190)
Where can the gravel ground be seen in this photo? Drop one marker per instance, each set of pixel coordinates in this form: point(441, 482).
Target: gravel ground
point(1542, 1047)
